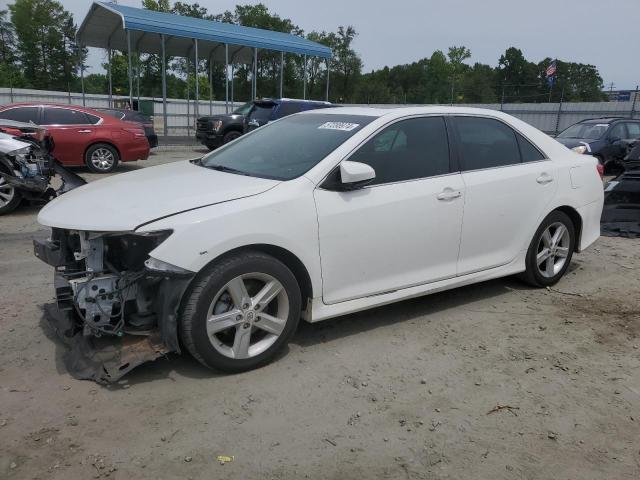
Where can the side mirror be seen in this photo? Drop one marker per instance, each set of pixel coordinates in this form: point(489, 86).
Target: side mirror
point(355, 175)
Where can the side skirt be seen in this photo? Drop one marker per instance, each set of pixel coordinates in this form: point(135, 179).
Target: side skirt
point(321, 311)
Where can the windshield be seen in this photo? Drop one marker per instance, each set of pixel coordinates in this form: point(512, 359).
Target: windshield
point(287, 148)
point(244, 109)
point(591, 131)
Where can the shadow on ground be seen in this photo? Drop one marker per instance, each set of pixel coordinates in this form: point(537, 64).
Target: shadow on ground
point(311, 334)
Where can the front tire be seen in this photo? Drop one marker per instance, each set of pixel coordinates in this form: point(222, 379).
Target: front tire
point(101, 158)
point(550, 251)
point(9, 197)
point(241, 312)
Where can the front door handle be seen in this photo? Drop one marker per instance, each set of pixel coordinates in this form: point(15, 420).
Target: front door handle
point(449, 194)
point(544, 179)
point(84, 131)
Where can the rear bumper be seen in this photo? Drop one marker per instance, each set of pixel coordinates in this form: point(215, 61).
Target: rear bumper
point(153, 140)
point(135, 151)
point(590, 215)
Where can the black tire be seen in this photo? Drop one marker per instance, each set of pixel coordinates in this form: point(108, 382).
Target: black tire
point(8, 205)
point(194, 312)
point(110, 163)
point(533, 275)
point(230, 136)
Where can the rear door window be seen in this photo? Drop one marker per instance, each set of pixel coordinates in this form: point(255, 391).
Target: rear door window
point(528, 152)
point(21, 114)
point(64, 116)
point(486, 143)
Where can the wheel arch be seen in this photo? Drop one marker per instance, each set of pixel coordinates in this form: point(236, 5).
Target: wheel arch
point(575, 217)
point(232, 128)
point(101, 142)
point(291, 261)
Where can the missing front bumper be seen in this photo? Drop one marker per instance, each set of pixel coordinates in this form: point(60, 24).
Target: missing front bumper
point(106, 359)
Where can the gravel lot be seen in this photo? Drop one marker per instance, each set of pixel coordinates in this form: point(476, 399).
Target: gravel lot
point(491, 381)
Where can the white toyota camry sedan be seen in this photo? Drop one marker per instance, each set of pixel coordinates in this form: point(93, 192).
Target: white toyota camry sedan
point(313, 216)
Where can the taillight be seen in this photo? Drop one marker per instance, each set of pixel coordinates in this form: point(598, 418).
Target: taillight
point(600, 169)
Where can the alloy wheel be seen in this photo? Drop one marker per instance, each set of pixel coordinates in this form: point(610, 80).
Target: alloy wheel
point(102, 159)
point(7, 192)
point(553, 249)
point(247, 315)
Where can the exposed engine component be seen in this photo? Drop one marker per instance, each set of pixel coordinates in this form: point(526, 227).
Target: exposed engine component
point(26, 166)
point(107, 289)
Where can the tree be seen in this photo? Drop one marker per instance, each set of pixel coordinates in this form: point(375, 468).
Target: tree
point(346, 63)
point(10, 74)
point(518, 77)
point(45, 43)
point(457, 55)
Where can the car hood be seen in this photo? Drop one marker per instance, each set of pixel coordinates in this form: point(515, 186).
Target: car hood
point(126, 201)
point(9, 143)
point(228, 116)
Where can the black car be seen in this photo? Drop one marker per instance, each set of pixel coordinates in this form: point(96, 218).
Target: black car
point(268, 110)
point(217, 130)
point(604, 138)
point(137, 117)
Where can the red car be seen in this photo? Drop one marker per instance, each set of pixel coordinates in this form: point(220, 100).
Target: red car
point(82, 136)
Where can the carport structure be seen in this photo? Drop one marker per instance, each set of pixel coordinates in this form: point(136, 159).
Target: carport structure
point(112, 26)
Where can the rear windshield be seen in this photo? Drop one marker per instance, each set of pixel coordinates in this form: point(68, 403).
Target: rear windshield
point(288, 148)
point(591, 131)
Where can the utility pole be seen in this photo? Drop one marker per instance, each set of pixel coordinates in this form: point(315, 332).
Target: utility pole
point(559, 110)
point(635, 99)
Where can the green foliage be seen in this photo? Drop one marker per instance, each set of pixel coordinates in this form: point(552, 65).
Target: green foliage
point(45, 45)
point(38, 50)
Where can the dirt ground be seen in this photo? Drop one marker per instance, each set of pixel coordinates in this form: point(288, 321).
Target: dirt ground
point(491, 381)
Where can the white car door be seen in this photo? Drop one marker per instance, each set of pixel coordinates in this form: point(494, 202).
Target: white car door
point(508, 185)
point(401, 230)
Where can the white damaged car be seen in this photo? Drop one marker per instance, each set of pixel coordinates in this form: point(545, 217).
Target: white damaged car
point(313, 216)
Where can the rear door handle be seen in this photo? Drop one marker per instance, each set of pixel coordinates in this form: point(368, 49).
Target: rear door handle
point(544, 179)
point(449, 194)
point(84, 131)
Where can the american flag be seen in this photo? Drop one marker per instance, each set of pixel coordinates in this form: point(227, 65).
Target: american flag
point(551, 69)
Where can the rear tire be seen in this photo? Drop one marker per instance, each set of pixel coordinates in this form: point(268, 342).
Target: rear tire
point(101, 158)
point(231, 136)
point(9, 197)
point(550, 251)
point(240, 312)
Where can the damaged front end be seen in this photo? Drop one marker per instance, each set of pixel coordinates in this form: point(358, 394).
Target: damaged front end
point(27, 167)
point(116, 306)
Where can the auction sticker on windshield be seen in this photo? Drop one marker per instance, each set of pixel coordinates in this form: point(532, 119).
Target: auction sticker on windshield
point(344, 126)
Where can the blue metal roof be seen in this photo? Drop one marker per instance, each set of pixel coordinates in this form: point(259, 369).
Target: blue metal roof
point(106, 23)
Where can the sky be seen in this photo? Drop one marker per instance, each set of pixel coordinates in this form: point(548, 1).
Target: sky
point(598, 32)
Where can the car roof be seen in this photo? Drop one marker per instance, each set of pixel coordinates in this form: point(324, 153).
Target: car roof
point(291, 100)
point(49, 104)
point(404, 111)
point(605, 120)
